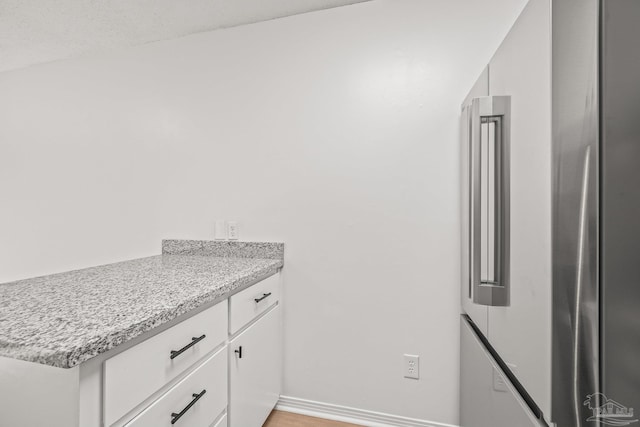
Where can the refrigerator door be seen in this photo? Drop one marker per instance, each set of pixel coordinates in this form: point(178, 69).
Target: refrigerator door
point(620, 202)
point(477, 312)
point(487, 397)
point(575, 345)
point(521, 331)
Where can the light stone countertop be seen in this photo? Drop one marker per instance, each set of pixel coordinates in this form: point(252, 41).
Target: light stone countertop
point(65, 319)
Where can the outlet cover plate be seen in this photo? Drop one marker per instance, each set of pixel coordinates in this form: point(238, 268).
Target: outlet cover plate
point(411, 366)
point(232, 230)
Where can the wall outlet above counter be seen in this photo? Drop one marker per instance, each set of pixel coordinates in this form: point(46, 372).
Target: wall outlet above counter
point(226, 230)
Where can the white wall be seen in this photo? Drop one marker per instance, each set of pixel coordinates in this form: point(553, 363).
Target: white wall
point(334, 131)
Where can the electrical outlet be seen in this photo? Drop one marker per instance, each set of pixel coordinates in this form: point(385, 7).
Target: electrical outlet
point(411, 366)
point(233, 230)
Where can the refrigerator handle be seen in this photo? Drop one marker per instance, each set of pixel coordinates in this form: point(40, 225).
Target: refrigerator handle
point(489, 199)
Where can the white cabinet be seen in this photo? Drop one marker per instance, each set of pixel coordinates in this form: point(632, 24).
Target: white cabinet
point(141, 385)
point(255, 372)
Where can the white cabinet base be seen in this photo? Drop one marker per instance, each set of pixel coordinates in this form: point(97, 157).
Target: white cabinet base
point(255, 378)
point(35, 395)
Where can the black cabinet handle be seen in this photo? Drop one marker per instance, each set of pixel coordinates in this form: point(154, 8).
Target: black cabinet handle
point(194, 341)
point(238, 352)
point(175, 417)
point(257, 300)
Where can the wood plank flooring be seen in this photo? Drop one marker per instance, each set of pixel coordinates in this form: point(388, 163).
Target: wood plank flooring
point(287, 419)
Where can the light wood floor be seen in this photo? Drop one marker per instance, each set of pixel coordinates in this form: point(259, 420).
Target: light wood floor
point(287, 419)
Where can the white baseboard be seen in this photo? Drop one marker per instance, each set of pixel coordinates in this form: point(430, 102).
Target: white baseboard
point(350, 415)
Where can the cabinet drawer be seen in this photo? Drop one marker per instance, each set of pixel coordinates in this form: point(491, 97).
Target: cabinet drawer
point(254, 300)
point(200, 397)
point(135, 374)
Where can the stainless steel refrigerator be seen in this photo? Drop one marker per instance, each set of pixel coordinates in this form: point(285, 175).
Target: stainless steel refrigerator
point(550, 326)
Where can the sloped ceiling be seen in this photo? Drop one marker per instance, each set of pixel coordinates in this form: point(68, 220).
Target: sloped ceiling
point(45, 30)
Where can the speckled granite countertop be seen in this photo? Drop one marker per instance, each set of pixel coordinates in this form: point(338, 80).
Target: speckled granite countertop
point(65, 319)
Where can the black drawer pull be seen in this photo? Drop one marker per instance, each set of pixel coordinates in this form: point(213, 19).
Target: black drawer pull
point(257, 300)
point(194, 341)
point(175, 417)
point(238, 352)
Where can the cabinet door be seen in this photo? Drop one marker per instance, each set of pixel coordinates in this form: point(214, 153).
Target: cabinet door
point(521, 332)
point(255, 371)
